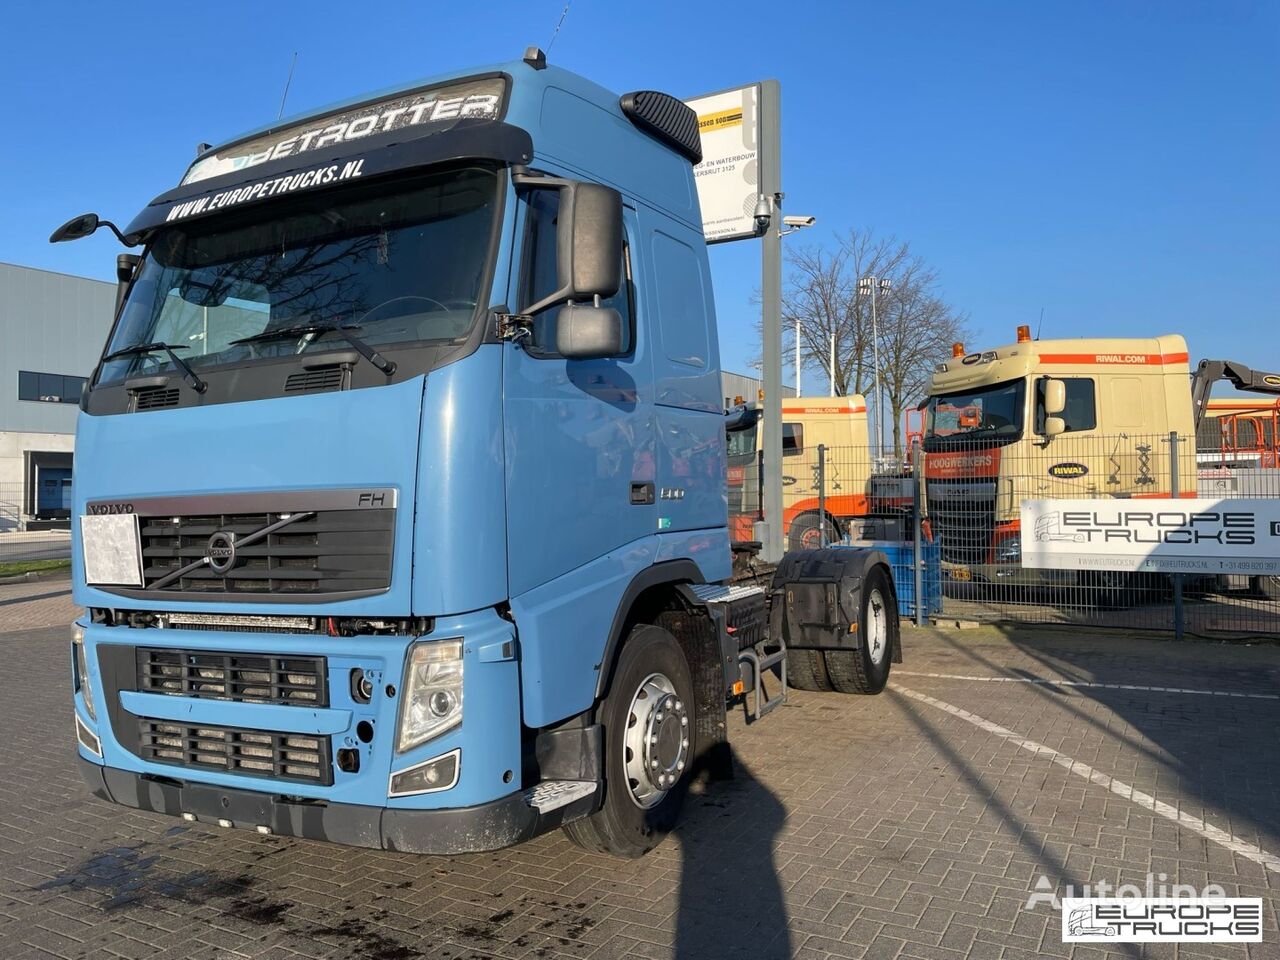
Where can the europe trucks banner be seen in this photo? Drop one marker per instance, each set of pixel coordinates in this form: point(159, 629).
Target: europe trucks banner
point(1161, 535)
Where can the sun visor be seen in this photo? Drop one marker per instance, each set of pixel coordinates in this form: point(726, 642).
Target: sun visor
point(409, 113)
point(336, 165)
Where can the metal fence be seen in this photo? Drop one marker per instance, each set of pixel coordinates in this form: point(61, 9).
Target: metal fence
point(963, 501)
point(30, 533)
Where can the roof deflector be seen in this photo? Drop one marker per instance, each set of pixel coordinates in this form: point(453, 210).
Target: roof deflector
point(667, 119)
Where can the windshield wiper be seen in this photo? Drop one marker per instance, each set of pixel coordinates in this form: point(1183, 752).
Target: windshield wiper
point(343, 330)
point(189, 375)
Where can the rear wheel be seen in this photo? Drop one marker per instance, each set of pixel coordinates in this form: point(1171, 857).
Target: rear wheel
point(807, 670)
point(805, 532)
point(1269, 587)
point(1109, 590)
point(866, 669)
point(649, 720)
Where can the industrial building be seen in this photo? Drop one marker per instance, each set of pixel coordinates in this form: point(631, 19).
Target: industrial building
point(52, 327)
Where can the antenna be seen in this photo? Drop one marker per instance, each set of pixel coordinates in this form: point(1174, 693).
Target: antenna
point(1040, 325)
point(560, 23)
point(285, 96)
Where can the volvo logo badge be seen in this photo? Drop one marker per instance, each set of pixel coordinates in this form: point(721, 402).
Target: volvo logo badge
point(221, 552)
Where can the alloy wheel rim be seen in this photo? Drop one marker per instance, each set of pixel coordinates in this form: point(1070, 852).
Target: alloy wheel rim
point(656, 741)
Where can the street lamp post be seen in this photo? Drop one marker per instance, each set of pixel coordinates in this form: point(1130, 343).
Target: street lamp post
point(872, 285)
point(798, 392)
point(794, 223)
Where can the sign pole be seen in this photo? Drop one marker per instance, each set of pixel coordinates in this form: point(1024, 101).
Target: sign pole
point(1175, 491)
point(739, 184)
point(770, 168)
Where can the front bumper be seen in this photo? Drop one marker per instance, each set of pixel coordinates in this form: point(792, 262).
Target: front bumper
point(487, 826)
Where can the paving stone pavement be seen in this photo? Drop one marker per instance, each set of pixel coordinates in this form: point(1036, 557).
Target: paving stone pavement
point(41, 602)
point(860, 827)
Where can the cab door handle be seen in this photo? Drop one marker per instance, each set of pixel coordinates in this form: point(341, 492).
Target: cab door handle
point(641, 493)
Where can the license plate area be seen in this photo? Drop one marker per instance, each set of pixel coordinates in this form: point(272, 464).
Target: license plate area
point(211, 804)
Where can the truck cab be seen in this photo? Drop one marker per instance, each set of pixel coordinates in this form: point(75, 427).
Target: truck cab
point(400, 509)
point(839, 425)
point(1047, 419)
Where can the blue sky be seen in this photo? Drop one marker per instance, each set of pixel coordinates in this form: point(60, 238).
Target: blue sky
point(1112, 163)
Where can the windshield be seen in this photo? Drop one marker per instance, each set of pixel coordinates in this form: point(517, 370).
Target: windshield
point(742, 443)
point(403, 263)
point(985, 414)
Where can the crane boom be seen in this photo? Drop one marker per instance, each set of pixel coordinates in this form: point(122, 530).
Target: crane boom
point(1241, 377)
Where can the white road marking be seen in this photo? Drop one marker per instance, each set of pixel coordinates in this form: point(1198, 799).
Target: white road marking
point(1047, 682)
point(1121, 789)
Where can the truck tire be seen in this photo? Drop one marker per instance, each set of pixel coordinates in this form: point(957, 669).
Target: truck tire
point(1109, 590)
point(866, 670)
point(1269, 587)
point(805, 533)
point(807, 670)
point(649, 720)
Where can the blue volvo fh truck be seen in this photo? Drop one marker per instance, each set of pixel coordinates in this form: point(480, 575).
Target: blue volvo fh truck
point(400, 504)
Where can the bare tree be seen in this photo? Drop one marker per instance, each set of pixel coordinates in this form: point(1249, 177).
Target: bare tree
point(916, 326)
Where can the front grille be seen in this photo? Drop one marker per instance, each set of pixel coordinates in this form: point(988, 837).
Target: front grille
point(301, 758)
point(325, 553)
point(320, 378)
point(155, 398)
point(295, 681)
point(964, 527)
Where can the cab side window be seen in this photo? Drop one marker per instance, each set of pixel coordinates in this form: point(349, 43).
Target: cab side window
point(1081, 412)
point(539, 276)
point(792, 439)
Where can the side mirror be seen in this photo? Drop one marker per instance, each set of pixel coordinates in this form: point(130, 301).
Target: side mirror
point(75, 229)
point(585, 332)
point(588, 240)
point(1054, 425)
point(1055, 398)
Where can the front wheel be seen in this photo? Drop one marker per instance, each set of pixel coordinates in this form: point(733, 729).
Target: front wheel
point(1269, 587)
point(648, 717)
point(866, 669)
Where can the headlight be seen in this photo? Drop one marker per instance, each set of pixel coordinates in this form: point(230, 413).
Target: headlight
point(1009, 551)
point(432, 692)
point(82, 668)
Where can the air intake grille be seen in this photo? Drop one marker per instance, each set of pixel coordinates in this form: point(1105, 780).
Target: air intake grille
point(321, 378)
point(296, 681)
point(965, 527)
point(155, 398)
point(301, 758)
point(326, 553)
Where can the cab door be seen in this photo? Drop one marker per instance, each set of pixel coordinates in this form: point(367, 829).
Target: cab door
point(579, 435)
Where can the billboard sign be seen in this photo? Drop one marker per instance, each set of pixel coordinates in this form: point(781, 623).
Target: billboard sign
point(1160, 535)
point(728, 177)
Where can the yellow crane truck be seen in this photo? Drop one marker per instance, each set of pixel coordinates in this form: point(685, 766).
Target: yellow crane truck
point(1048, 419)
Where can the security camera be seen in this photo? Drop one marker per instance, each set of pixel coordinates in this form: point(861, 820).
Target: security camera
point(799, 221)
point(763, 213)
